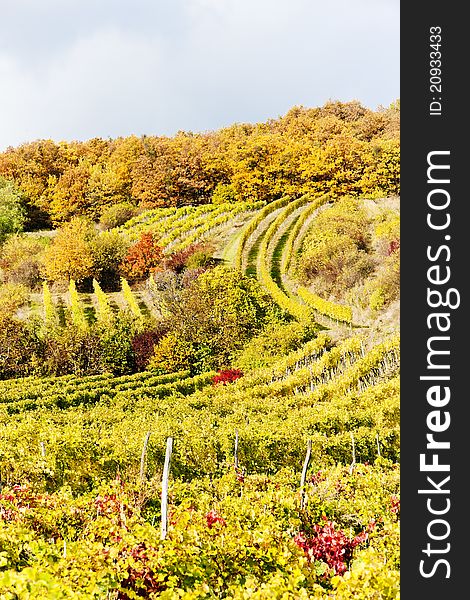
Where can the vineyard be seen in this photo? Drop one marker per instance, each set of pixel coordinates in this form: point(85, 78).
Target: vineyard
point(178, 228)
point(202, 401)
point(78, 443)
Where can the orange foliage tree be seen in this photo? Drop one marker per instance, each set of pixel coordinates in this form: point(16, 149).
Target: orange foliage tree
point(142, 258)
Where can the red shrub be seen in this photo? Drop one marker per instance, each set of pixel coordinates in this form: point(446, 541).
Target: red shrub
point(317, 477)
point(225, 376)
point(330, 546)
point(213, 517)
point(393, 246)
point(142, 578)
point(177, 260)
point(395, 505)
point(143, 346)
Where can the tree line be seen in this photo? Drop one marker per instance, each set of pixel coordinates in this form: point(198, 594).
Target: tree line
point(340, 148)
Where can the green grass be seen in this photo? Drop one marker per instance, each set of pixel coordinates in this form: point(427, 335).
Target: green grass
point(277, 257)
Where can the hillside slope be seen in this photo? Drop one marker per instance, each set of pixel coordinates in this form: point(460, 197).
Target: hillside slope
point(281, 400)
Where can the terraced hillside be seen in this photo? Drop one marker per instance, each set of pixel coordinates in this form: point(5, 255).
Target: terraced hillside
point(266, 249)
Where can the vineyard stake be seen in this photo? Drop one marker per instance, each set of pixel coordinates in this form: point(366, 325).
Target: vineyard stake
point(166, 473)
point(353, 464)
point(142, 457)
point(235, 458)
point(43, 449)
point(304, 473)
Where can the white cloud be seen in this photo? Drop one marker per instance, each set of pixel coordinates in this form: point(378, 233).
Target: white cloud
point(112, 67)
point(100, 85)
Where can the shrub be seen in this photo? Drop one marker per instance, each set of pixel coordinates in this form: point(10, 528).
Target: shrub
point(177, 261)
point(394, 246)
point(377, 299)
point(73, 350)
point(86, 350)
point(190, 276)
point(335, 252)
point(225, 376)
point(218, 313)
point(329, 545)
point(164, 290)
point(335, 264)
point(12, 297)
point(117, 214)
point(199, 259)
point(117, 355)
point(22, 348)
point(172, 354)
point(143, 346)
point(20, 260)
point(387, 232)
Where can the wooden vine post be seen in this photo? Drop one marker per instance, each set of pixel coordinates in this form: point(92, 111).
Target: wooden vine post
point(353, 464)
point(304, 474)
point(142, 457)
point(166, 473)
point(235, 453)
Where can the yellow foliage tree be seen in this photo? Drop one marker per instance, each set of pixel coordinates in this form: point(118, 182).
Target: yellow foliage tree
point(70, 255)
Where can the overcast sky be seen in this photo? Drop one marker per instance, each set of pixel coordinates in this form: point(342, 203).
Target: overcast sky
point(76, 69)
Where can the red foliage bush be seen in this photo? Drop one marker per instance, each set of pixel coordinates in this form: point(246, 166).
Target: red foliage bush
point(177, 260)
point(15, 501)
point(393, 247)
point(225, 376)
point(395, 505)
point(213, 517)
point(317, 477)
point(330, 546)
point(142, 579)
point(143, 345)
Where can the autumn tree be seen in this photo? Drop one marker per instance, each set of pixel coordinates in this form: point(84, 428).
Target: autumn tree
point(340, 148)
point(70, 255)
point(31, 166)
point(108, 250)
point(12, 212)
point(105, 187)
point(212, 318)
point(142, 257)
point(68, 197)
